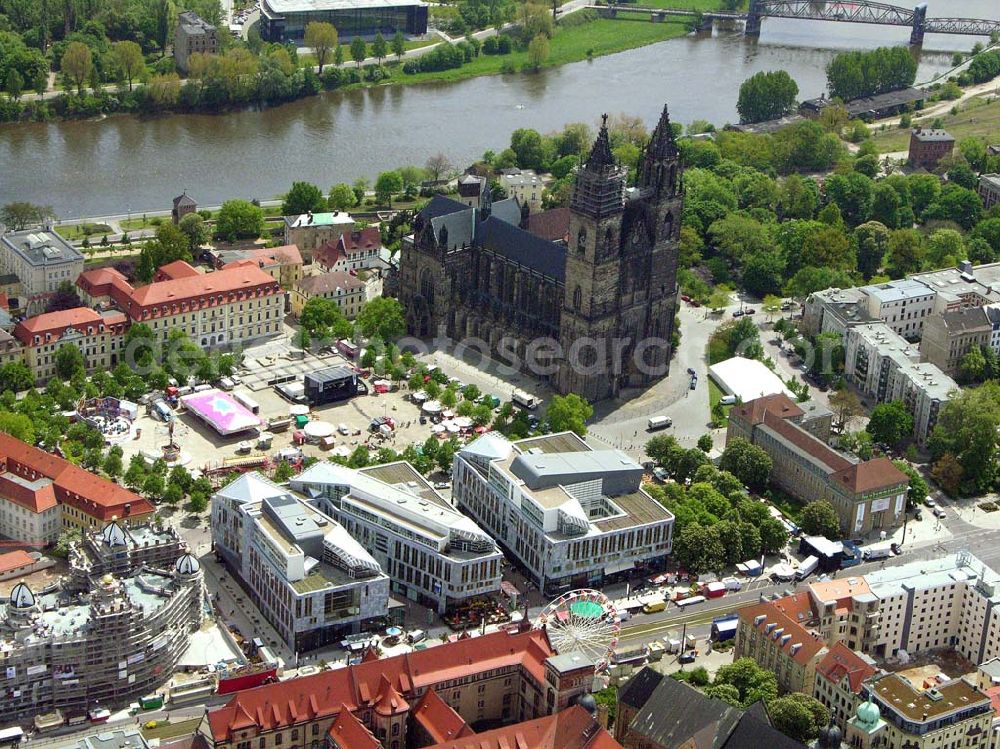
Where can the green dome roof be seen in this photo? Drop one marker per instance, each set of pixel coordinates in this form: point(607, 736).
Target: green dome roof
point(868, 713)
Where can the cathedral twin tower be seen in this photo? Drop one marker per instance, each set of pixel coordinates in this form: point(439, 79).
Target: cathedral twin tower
point(594, 316)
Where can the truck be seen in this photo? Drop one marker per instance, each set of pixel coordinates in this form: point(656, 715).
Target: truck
point(658, 422)
point(524, 400)
point(732, 584)
point(247, 402)
point(807, 567)
point(876, 551)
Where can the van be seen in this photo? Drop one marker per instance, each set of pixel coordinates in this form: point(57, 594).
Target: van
point(807, 567)
point(417, 635)
point(732, 584)
point(653, 607)
point(344, 430)
point(727, 400)
point(226, 384)
point(658, 422)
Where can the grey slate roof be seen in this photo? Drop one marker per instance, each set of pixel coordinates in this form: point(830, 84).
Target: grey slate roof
point(639, 688)
point(514, 243)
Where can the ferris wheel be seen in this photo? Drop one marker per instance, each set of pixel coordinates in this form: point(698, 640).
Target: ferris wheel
point(584, 621)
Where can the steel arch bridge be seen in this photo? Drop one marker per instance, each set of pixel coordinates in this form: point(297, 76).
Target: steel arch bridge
point(866, 11)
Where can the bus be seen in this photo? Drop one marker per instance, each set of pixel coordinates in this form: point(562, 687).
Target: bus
point(685, 602)
point(11, 737)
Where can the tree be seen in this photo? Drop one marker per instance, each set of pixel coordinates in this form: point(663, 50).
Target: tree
point(382, 317)
point(164, 90)
point(163, 13)
point(948, 473)
point(341, 197)
point(846, 407)
point(399, 45)
point(321, 37)
point(69, 361)
point(380, 47)
point(77, 64)
point(890, 423)
point(20, 215)
point(538, 51)
point(16, 376)
point(303, 198)
point(873, 242)
point(65, 297)
point(239, 219)
point(387, 185)
point(193, 227)
point(766, 96)
point(17, 425)
point(359, 50)
point(14, 84)
point(753, 682)
point(972, 367)
point(173, 495)
point(798, 716)
point(906, 252)
point(128, 57)
point(438, 165)
point(136, 473)
point(819, 518)
point(283, 472)
point(966, 430)
point(771, 305)
point(569, 413)
point(747, 462)
point(698, 549)
point(917, 492)
point(705, 443)
point(323, 319)
point(170, 244)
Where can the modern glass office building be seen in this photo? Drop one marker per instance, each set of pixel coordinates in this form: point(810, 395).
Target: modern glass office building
point(284, 20)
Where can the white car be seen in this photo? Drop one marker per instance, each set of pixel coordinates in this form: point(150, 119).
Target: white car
point(939, 513)
point(344, 429)
point(930, 502)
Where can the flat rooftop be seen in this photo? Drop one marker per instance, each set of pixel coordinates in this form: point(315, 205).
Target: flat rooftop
point(962, 567)
point(902, 289)
point(919, 705)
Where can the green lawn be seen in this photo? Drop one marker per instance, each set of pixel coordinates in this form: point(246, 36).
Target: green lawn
point(172, 730)
point(73, 232)
point(599, 37)
point(141, 222)
point(975, 117)
point(693, 5)
point(790, 507)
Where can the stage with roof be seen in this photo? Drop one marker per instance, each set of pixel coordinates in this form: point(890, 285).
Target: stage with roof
point(221, 411)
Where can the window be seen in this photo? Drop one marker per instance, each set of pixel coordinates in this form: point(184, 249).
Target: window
point(577, 298)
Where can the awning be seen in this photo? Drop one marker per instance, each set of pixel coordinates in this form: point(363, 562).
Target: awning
point(616, 567)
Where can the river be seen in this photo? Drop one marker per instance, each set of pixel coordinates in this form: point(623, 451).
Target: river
point(129, 164)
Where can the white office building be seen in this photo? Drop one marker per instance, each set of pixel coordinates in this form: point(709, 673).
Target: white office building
point(903, 305)
point(572, 516)
point(434, 554)
point(884, 367)
point(311, 580)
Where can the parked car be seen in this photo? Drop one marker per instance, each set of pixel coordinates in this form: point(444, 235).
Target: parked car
point(688, 657)
point(691, 371)
point(918, 515)
point(939, 513)
point(442, 484)
point(739, 313)
point(930, 502)
point(694, 383)
point(750, 311)
point(660, 474)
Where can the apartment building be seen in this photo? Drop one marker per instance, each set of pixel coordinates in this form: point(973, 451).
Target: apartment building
point(885, 368)
point(834, 311)
point(358, 249)
point(193, 34)
point(311, 580)
point(963, 285)
point(573, 516)
point(42, 494)
point(433, 554)
point(903, 305)
point(41, 260)
point(229, 307)
point(773, 635)
point(949, 336)
point(310, 231)
point(928, 147)
point(498, 678)
point(349, 291)
point(98, 639)
point(99, 336)
point(867, 494)
point(524, 185)
point(840, 674)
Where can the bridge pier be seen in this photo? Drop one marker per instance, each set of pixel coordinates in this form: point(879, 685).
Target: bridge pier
point(919, 24)
point(752, 27)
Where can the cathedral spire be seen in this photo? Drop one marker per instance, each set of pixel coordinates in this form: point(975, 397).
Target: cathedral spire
point(663, 144)
point(600, 154)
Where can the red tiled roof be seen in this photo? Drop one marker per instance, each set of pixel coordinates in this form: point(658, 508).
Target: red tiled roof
point(35, 500)
point(324, 282)
point(176, 269)
point(779, 404)
point(285, 254)
point(72, 485)
point(552, 225)
point(841, 661)
point(772, 614)
point(439, 719)
point(390, 702)
point(369, 238)
point(202, 288)
point(878, 473)
point(100, 281)
point(573, 728)
point(806, 442)
point(55, 324)
point(276, 705)
point(348, 732)
point(12, 560)
point(994, 694)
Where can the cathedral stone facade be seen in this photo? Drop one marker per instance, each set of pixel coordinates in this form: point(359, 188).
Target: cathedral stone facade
point(592, 317)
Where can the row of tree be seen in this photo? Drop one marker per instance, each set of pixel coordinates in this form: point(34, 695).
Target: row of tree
point(855, 74)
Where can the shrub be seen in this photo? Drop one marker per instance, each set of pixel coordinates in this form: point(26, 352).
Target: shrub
point(505, 45)
point(508, 67)
point(490, 46)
